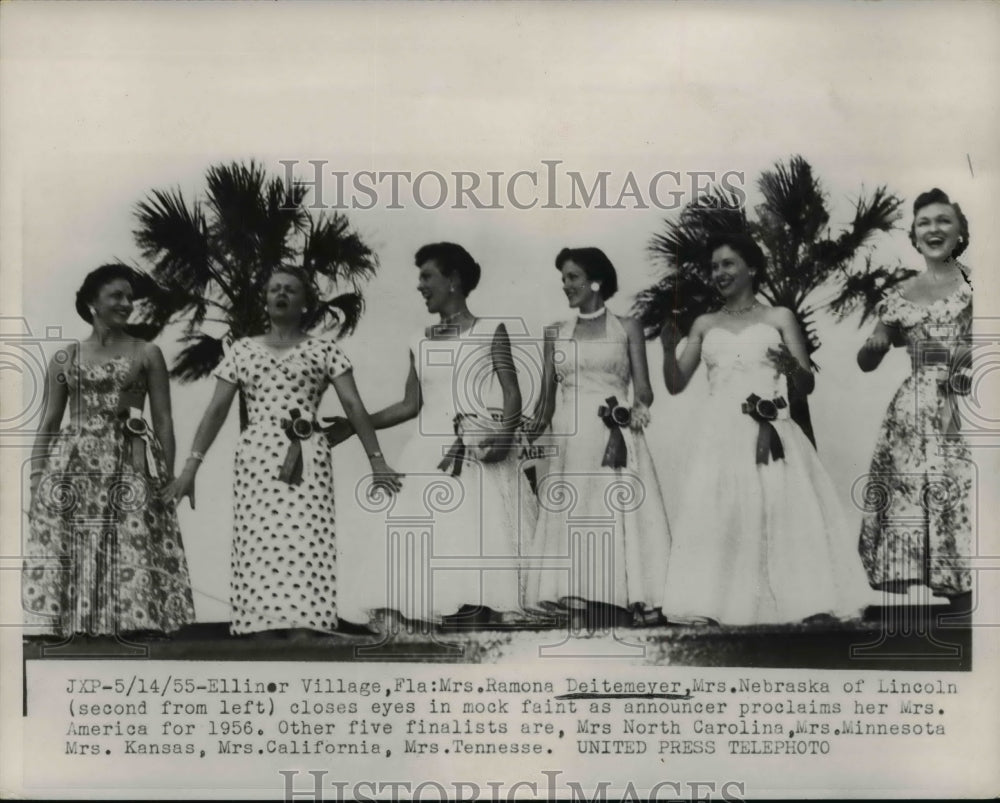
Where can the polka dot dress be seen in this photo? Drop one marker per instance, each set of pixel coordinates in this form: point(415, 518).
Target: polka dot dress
point(284, 557)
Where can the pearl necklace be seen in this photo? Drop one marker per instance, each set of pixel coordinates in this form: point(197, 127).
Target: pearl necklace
point(589, 316)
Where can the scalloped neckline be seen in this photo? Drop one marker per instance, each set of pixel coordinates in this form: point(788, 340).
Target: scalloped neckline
point(962, 287)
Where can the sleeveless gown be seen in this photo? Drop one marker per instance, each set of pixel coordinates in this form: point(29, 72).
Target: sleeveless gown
point(447, 540)
point(602, 532)
point(757, 543)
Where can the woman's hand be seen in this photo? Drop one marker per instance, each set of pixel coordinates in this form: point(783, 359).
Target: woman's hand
point(638, 418)
point(535, 426)
point(877, 344)
point(670, 334)
point(338, 430)
point(783, 360)
point(183, 486)
point(494, 448)
point(384, 477)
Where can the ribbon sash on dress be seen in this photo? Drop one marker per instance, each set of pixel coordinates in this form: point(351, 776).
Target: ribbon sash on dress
point(455, 456)
point(300, 457)
point(764, 411)
point(958, 382)
point(139, 444)
point(614, 417)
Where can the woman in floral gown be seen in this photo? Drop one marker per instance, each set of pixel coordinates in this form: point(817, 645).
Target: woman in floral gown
point(917, 525)
point(105, 551)
point(284, 556)
point(601, 483)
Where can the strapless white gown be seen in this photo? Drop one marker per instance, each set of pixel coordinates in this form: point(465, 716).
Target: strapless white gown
point(757, 543)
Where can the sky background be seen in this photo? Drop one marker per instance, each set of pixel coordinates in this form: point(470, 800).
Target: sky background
point(104, 102)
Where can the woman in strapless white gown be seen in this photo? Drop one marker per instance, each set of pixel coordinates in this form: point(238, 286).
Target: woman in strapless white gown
point(760, 537)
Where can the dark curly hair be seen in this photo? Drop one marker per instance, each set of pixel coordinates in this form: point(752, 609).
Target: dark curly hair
point(95, 281)
point(595, 264)
point(938, 196)
point(744, 245)
point(452, 260)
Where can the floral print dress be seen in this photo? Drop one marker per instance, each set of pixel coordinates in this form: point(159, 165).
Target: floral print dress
point(917, 523)
point(104, 552)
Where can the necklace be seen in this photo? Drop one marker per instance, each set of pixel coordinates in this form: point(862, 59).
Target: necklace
point(589, 316)
point(453, 317)
point(742, 310)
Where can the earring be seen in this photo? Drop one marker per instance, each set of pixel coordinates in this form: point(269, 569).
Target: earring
point(595, 287)
point(93, 311)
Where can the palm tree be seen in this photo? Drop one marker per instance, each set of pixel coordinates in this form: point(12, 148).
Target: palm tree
point(804, 256)
point(210, 259)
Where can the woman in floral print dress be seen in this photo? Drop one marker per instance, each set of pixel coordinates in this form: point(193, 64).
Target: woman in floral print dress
point(105, 553)
point(917, 525)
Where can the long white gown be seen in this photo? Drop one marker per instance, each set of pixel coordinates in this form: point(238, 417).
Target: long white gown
point(602, 532)
point(757, 543)
point(447, 540)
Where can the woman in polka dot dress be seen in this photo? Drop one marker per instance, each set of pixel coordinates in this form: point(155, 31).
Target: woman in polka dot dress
point(284, 556)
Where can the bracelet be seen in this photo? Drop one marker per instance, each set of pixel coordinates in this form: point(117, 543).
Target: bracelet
point(36, 472)
point(197, 456)
point(373, 455)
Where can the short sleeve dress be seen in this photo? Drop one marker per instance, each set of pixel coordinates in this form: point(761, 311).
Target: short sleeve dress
point(284, 559)
point(917, 527)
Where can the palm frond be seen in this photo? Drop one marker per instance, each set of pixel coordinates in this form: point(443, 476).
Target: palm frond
point(212, 258)
point(681, 294)
point(863, 289)
point(198, 358)
point(878, 212)
point(684, 292)
point(283, 217)
point(235, 198)
point(682, 243)
point(334, 250)
point(804, 317)
point(174, 238)
point(794, 200)
point(342, 312)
